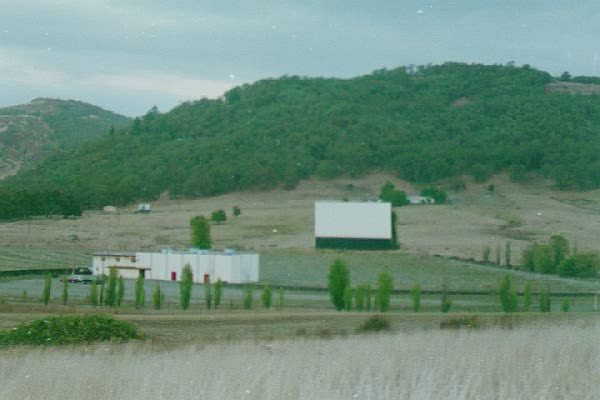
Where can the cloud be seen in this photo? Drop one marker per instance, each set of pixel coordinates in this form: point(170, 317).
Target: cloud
point(182, 87)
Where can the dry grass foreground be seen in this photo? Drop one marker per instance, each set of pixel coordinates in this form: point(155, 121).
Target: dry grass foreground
point(280, 219)
point(552, 363)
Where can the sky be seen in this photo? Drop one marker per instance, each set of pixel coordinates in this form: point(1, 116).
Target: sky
point(129, 55)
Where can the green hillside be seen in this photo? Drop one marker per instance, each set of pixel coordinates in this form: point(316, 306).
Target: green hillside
point(423, 124)
point(28, 132)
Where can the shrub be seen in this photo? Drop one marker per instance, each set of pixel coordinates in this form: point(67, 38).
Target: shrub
point(185, 287)
point(527, 258)
point(101, 301)
point(385, 285)
point(24, 296)
point(498, 255)
point(507, 254)
point(362, 297)
point(266, 297)
point(438, 195)
point(140, 292)
point(47, 289)
point(236, 211)
point(218, 292)
point(375, 323)
point(508, 298)
point(560, 248)
point(391, 195)
point(543, 259)
point(415, 295)
point(446, 303)
point(74, 329)
point(158, 296)
point(338, 278)
point(565, 306)
point(120, 291)
point(249, 298)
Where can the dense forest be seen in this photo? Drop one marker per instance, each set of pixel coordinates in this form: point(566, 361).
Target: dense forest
point(423, 124)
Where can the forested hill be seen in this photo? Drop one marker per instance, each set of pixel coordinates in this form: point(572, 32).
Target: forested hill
point(30, 131)
point(423, 124)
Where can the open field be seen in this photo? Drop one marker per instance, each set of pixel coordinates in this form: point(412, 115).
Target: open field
point(543, 362)
point(280, 219)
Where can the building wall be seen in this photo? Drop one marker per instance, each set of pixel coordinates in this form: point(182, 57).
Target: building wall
point(100, 263)
point(232, 268)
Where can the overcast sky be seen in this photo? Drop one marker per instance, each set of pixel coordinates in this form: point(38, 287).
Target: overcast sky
point(129, 55)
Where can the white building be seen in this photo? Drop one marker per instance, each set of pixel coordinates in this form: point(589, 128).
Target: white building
point(414, 199)
point(207, 266)
point(354, 225)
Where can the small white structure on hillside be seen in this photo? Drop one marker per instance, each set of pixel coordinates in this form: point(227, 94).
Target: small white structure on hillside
point(207, 266)
point(353, 225)
point(414, 199)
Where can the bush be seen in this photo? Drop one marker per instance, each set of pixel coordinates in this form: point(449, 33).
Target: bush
point(486, 254)
point(543, 259)
point(527, 258)
point(236, 211)
point(565, 306)
point(470, 322)
point(73, 329)
point(560, 247)
point(385, 285)
point(281, 298)
point(446, 303)
point(338, 278)
point(362, 297)
point(391, 195)
point(375, 323)
point(438, 195)
point(527, 297)
point(415, 295)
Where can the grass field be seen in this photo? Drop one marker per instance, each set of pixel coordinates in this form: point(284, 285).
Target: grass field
point(548, 362)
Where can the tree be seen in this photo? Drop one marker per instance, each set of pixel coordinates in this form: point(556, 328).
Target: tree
point(218, 216)
point(218, 292)
point(527, 258)
point(543, 259)
point(498, 256)
point(544, 301)
point(47, 289)
point(208, 295)
point(527, 297)
point(120, 291)
point(338, 278)
point(101, 301)
point(565, 306)
point(111, 292)
point(185, 287)
point(158, 296)
point(266, 297)
point(200, 232)
point(560, 247)
point(362, 297)
point(65, 294)
point(507, 254)
point(236, 211)
point(348, 298)
point(281, 298)
point(391, 195)
point(415, 295)
point(385, 285)
point(93, 294)
point(582, 265)
point(437, 194)
point(249, 298)
point(140, 292)
point(508, 297)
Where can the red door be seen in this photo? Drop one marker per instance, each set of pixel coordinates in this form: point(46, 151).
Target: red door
point(206, 278)
point(173, 276)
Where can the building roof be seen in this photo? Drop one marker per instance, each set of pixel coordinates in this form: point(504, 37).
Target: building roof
point(110, 253)
point(226, 252)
